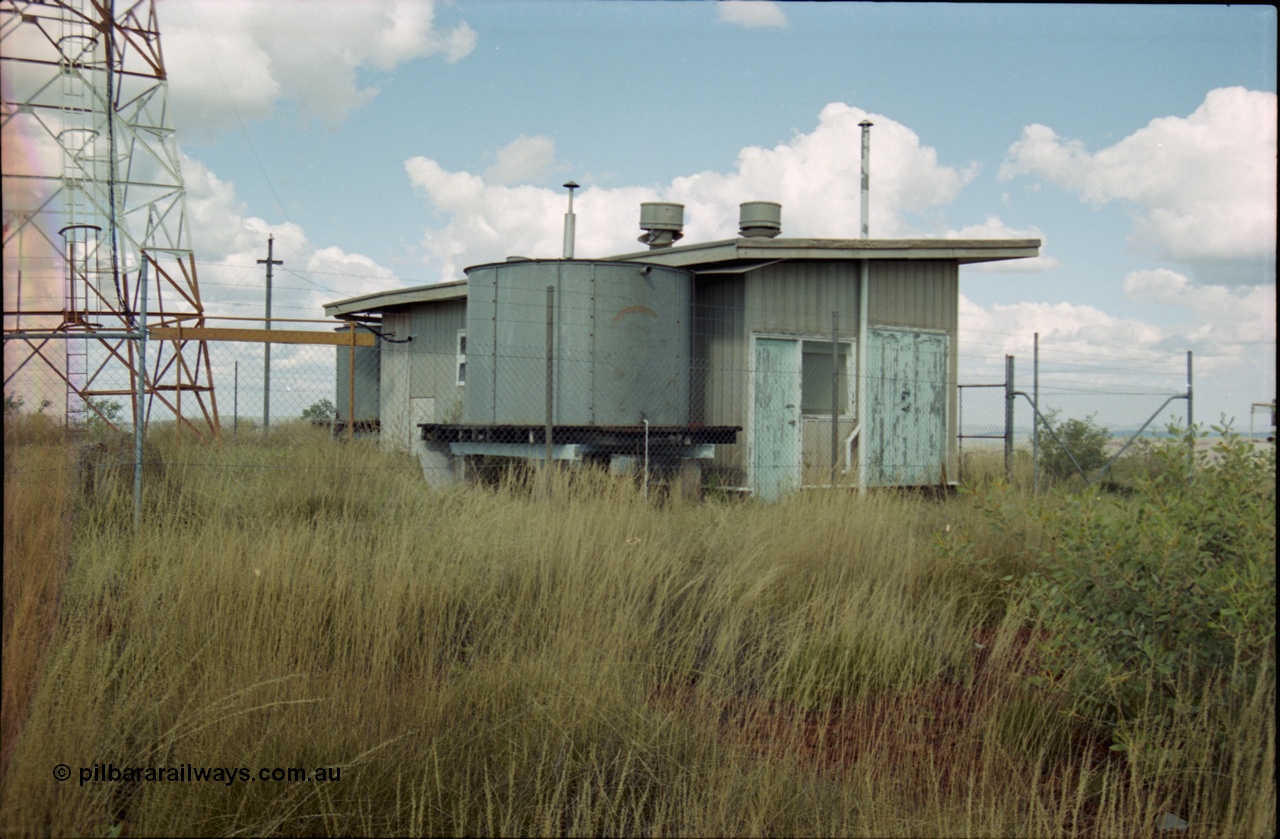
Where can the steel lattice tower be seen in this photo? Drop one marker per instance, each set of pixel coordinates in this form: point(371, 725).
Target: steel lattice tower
point(96, 244)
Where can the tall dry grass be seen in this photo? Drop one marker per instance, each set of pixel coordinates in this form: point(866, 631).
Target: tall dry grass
point(481, 661)
point(38, 497)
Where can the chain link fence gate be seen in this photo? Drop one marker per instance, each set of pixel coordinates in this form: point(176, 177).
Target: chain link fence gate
point(1065, 425)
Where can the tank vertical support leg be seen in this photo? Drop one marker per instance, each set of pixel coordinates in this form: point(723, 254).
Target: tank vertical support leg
point(689, 484)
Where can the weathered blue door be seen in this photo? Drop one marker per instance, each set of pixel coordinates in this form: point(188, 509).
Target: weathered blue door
point(906, 419)
point(775, 417)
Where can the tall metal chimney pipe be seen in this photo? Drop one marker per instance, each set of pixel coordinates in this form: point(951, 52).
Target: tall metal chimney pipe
point(568, 222)
point(866, 177)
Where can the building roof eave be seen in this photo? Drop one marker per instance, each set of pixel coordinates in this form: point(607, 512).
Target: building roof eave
point(964, 251)
point(732, 256)
point(383, 300)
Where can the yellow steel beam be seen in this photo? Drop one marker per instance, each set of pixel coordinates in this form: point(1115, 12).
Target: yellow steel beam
point(263, 336)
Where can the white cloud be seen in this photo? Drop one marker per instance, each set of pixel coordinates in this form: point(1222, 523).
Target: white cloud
point(1092, 360)
point(1009, 328)
point(228, 243)
point(1203, 187)
point(994, 228)
point(815, 176)
point(1221, 319)
point(523, 159)
point(237, 57)
point(751, 13)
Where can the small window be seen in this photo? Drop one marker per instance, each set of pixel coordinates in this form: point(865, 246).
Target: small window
point(815, 378)
point(462, 357)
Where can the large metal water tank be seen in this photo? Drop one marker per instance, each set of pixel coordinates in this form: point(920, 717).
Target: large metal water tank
point(621, 343)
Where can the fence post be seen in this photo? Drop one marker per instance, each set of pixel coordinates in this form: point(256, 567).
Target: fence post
point(351, 383)
point(1190, 412)
point(1008, 418)
point(835, 398)
point(1190, 417)
point(546, 466)
point(1035, 419)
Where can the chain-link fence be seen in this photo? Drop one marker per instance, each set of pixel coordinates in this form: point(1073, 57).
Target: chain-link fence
point(1053, 419)
point(760, 396)
point(87, 381)
point(629, 374)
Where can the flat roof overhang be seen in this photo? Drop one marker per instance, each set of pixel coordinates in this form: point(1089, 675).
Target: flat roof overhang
point(727, 256)
point(368, 304)
point(729, 251)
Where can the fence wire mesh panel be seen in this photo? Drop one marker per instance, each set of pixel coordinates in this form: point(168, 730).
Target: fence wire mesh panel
point(1090, 411)
point(982, 435)
point(743, 390)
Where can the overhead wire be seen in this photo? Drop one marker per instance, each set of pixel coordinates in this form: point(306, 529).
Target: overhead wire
point(236, 111)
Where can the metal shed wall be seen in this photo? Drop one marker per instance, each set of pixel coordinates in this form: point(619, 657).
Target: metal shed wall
point(717, 387)
point(419, 378)
point(921, 294)
point(797, 298)
point(916, 293)
point(718, 355)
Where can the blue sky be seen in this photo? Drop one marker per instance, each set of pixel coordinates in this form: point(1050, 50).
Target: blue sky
point(393, 144)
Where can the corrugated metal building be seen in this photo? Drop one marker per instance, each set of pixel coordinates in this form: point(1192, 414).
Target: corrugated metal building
point(778, 333)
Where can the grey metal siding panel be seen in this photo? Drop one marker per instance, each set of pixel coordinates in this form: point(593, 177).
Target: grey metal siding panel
point(424, 368)
point(394, 398)
point(923, 294)
point(719, 379)
point(434, 373)
point(797, 298)
point(916, 294)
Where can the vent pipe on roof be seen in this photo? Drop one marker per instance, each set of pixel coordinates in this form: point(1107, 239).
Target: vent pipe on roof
point(865, 125)
point(759, 218)
point(662, 223)
point(568, 222)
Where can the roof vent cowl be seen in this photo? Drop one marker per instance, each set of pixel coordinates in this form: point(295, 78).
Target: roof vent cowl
point(662, 223)
point(761, 219)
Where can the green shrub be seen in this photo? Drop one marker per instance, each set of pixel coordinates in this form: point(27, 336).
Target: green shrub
point(1168, 592)
point(1068, 444)
point(320, 412)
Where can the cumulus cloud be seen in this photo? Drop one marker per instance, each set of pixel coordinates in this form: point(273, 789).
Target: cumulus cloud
point(238, 57)
point(1008, 329)
point(1202, 187)
point(1091, 361)
point(815, 176)
point(1220, 319)
point(228, 242)
point(1089, 355)
point(751, 13)
point(523, 159)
